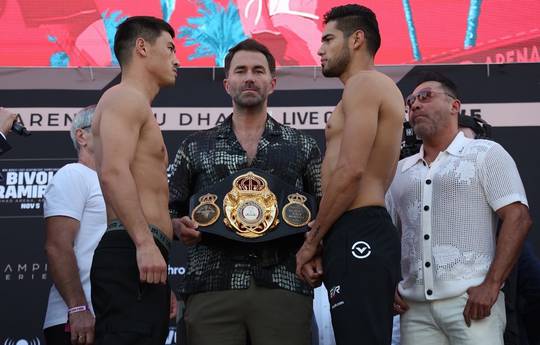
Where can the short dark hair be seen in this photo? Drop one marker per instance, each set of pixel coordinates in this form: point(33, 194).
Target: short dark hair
point(448, 85)
point(149, 28)
point(352, 17)
point(250, 45)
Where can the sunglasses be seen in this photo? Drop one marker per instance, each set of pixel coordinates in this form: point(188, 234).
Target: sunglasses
point(424, 96)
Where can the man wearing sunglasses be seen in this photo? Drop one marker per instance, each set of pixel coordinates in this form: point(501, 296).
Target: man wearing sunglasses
point(361, 246)
point(447, 199)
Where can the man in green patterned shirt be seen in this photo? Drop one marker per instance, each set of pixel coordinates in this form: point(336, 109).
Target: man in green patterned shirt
point(238, 292)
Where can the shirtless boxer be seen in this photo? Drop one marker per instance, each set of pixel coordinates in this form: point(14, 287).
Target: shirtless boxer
point(129, 271)
point(361, 255)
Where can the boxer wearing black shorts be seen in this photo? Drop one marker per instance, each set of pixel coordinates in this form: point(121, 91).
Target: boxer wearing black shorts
point(363, 138)
point(361, 265)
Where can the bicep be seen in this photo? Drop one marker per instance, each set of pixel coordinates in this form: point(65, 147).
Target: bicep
point(515, 210)
point(361, 113)
point(61, 230)
point(119, 133)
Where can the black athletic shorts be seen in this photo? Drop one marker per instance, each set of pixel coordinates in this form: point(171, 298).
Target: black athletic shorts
point(127, 311)
point(361, 264)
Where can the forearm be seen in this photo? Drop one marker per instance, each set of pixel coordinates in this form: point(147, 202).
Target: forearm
point(65, 275)
point(337, 198)
point(511, 236)
point(120, 192)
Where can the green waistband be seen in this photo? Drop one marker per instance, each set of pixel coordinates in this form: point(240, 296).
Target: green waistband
point(158, 234)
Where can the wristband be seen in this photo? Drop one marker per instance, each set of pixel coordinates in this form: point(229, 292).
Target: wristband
point(77, 309)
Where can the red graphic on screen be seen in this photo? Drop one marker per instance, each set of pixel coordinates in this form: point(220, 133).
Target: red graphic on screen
point(77, 33)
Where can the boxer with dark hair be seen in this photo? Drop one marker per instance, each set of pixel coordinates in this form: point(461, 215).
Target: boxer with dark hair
point(129, 271)
point(363, 135)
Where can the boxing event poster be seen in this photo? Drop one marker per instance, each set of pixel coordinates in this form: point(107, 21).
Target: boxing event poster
point(79, 33)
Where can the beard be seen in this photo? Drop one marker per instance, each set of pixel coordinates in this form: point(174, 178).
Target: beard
point(338, 65)
point(424, 130)
point(251, 100)
point(427, 128)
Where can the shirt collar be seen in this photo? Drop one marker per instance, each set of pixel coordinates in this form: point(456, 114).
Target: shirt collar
point(409, 162)
point(455, 148)
point(458, 144)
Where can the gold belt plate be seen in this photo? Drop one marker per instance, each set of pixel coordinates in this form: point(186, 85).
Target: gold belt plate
point(250, 207)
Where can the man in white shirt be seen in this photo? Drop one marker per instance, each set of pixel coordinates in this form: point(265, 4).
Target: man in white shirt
point(447, 199)
point(75, 220)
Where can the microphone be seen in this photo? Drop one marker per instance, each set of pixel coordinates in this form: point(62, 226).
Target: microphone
point(18, 128)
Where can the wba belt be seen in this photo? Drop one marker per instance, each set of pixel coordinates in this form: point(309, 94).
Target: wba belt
point(252, 206)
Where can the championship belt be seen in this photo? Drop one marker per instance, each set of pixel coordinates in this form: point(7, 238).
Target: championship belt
point(252, 206)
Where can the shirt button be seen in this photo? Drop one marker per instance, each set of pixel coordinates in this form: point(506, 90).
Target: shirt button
point(428, 181)
point(426, 237)
point(426, 208)
point(429, 292)
point(428, 264)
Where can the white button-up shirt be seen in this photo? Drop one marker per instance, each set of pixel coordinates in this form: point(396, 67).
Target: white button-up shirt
point(446, 212)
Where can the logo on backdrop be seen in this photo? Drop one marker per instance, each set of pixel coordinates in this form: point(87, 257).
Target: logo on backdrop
point(176, 270)
point(179, 118)
point(24, 271)
point(301, 117)
point(21, 341)
point(22, 189)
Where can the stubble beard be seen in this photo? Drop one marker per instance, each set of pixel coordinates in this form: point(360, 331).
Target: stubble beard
point(424, 131)
point(429, 129)
point(249, 102)
point(339, 64)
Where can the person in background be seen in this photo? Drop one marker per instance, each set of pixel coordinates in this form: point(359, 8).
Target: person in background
point(6, 121)
point(75, 220)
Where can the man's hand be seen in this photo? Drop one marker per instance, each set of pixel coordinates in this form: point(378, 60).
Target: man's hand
point(481, 299)
point(81, 325)
point(6, 120)
point(400, 306)
point(173, 309)
point(312, 271)
point(186, 229)
point(307, 254)
point(152, 266)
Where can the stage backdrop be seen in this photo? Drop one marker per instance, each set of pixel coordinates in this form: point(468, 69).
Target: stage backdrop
point(507, 96)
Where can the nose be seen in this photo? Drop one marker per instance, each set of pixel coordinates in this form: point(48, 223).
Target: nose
point(320, 52)
point(415, 104)
point(249, 77)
